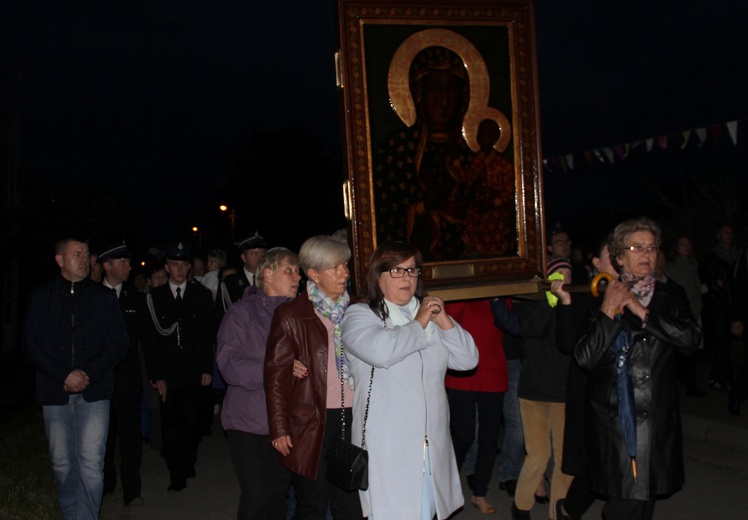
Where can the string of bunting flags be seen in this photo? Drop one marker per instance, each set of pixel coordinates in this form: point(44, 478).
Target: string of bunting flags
point(619, 152)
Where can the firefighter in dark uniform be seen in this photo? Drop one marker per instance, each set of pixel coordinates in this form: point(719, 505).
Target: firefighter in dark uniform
point(124, 418)
point(232, 287)
point(179, 359)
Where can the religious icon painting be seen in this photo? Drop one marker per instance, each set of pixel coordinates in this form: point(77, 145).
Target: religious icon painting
point(442, 139)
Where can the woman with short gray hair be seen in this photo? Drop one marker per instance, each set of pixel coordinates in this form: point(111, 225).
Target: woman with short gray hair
point(304, 414)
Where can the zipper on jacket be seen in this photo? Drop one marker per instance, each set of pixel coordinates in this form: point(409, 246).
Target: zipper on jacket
point(72, 322)
point(426, 424)
point(425, 448)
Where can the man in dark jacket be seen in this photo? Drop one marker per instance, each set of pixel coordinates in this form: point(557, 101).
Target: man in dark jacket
point(124, 417)
point(74, 335)
point(717, 275)
point(233, 286)
point(178, 349)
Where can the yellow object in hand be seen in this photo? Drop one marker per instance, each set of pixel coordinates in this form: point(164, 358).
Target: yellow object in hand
point(552, 298)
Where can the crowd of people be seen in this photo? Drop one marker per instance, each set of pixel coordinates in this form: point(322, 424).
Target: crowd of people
point(585, 387)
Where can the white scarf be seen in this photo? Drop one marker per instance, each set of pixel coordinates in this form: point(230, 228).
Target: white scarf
point(399, 318)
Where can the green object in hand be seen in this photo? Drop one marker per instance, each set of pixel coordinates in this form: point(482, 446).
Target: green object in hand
point(552, 298)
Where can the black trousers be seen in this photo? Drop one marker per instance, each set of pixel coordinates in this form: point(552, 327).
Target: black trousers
point(719, 339)
point(205, 413)
point(313, 496)
point(180, 431)
point(617, 508)
point(152, 403)
point(578, 498)
point(263, 480)
point(740, 387)
point(462, 408)
point(124, 423)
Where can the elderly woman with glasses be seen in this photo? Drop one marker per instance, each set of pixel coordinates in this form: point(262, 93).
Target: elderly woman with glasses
point(404, 342)
point(634, 446)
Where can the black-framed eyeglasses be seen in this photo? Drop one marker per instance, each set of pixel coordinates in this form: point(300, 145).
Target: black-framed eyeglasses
point(399, 272)
point(559, 242)
point(642, 249)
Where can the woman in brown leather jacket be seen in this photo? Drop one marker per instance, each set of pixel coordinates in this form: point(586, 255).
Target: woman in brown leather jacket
point(304, 413)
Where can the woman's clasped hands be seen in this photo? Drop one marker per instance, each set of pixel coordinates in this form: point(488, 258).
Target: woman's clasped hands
point(432, 309)
point(618, 296)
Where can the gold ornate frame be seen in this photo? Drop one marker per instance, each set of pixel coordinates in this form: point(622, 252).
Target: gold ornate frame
point(496, 42)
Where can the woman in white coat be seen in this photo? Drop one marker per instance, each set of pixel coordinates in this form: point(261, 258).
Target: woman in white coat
point(410, 342)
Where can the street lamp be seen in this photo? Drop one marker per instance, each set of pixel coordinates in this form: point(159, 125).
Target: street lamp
point(232, 217)
point(198, 233)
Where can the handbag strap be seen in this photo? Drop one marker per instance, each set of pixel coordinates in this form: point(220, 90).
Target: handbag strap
point(342, 402)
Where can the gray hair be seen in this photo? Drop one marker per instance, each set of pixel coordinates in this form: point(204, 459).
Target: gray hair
point(323, 252)
point(341, 234)
point(626, 228)
point(273, 259)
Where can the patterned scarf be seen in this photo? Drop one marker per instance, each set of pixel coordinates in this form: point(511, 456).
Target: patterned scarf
point(333, 311)
point(642, 288)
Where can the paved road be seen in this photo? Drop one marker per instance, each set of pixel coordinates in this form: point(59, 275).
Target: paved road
point(716, 447)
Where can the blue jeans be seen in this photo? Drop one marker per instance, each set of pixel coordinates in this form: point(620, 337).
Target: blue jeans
point(77, 433)
point(513, 445)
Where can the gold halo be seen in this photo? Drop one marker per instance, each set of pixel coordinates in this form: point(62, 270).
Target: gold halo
point(398, 84)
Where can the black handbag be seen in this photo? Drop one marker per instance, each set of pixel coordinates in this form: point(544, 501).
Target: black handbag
point(347, 464)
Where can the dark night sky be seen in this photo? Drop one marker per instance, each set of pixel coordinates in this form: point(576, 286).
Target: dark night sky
point(148, 98)
point(614, 71)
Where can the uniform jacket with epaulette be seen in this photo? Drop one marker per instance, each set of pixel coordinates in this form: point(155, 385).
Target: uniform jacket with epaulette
point(183, 355)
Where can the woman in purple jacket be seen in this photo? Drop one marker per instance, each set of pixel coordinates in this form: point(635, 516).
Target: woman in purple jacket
point(241, 358)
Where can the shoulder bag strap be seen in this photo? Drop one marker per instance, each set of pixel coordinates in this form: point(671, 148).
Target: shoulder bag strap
point(342, 402)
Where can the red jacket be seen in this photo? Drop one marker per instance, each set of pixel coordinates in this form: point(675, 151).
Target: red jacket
point(476, 317)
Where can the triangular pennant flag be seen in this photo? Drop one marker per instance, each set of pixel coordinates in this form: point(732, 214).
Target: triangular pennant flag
point(701, 134)
point(570, 161)
point(732, 128)
point(686, 135)
point(547, 168)
point(677, 140)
